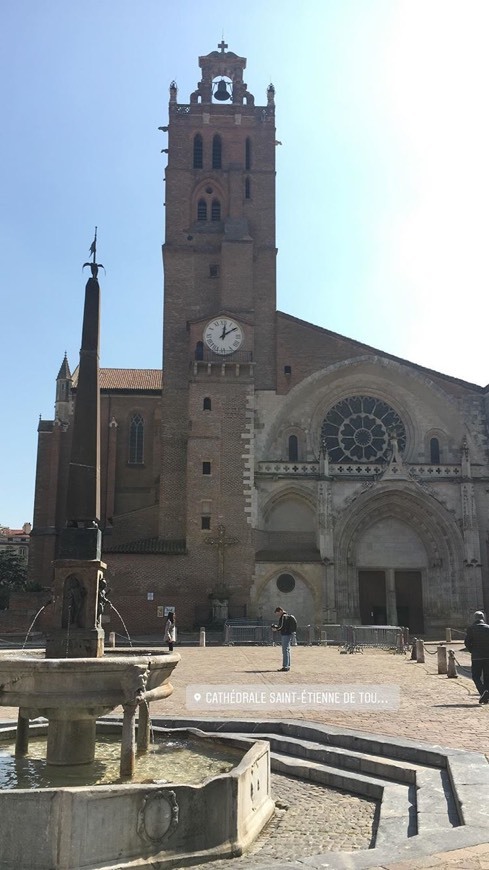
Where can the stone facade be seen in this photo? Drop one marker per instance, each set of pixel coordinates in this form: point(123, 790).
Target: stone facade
point(281, 462)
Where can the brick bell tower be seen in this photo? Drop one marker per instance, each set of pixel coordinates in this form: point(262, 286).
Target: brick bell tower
point(219, 316)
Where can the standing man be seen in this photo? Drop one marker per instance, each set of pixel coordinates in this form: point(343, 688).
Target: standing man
point(285, 627)
point(477, 642)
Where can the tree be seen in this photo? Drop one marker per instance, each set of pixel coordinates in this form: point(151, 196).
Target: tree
point(13, 575)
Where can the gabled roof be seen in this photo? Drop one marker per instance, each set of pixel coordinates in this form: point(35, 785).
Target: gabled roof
point(137, 380)
point(375, 350)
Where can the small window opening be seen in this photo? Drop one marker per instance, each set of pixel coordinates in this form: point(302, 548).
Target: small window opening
point(198, 152)
point(207, 406)
point(206, 468)
point(201, 210)
point(287, 370)
point(205, 523)
point(247, 188)
point(199, 350)
point(216, 152)
point(216, 210)
point(293, 448)
point(248, 153)
point(136, 440)
point(214, 271)
point(434, 451)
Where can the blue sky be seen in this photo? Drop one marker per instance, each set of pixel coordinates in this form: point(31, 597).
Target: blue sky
point(382, 179)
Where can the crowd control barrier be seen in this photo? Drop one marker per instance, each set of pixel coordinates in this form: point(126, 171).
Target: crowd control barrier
point(352, 638)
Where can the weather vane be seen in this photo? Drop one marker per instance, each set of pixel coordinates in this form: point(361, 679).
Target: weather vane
point(94, 266)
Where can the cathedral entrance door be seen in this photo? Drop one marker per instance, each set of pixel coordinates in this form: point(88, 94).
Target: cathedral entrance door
point(409, 598)
point(373, 606)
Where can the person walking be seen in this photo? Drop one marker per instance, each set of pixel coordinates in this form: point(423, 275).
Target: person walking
point(170, 631)
point(287, 625)
point(477, 642)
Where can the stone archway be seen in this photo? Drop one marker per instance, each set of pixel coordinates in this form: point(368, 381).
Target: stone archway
point(429, 542)
point(297, 597)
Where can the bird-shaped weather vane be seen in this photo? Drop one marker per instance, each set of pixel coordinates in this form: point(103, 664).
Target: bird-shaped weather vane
point(94, 266)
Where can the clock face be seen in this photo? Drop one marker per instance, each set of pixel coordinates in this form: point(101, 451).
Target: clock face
point(223, 335)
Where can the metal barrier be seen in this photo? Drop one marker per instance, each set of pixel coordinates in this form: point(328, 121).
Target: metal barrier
point(352, 638)
point(247, 632)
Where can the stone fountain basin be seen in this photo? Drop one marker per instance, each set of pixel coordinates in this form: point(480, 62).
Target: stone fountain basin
point(86, 686)
point(138, 825)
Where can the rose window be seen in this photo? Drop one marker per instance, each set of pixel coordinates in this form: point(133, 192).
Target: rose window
point(360, 429)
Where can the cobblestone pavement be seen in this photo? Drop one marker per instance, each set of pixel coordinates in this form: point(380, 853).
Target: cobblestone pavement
point(432, 708)
point(309, 819)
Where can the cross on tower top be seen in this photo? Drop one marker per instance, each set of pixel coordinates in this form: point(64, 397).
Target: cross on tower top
point(222, 45)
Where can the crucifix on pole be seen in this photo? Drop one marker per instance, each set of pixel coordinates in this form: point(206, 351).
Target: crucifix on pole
point(221, 542)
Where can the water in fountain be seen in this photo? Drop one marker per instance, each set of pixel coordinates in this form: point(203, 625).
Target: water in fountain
point(121, 619)
point(170, 759)
point(34, 622)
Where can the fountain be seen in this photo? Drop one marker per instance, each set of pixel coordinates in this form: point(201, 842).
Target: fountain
point(75, 684)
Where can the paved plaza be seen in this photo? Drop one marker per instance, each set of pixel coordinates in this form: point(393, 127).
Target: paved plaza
point(433, 709)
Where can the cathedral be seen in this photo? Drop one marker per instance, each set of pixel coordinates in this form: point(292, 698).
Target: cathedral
point(271, 461)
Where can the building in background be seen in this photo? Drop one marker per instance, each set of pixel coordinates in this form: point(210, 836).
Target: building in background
point(16, 541)
point(276, 461)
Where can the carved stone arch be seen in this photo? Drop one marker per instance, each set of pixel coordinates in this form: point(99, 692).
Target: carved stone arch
point(208, 189)
point(434, 525)
point(361, 374)
point(288, 492)
point(297, 432)
point(267, 596)
point(442, 439)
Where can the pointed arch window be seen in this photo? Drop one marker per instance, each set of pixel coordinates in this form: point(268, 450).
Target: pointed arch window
point(248, 153)
point(217, 152)
point(207, 406)
point(216, 210)
point(293, 448)
point(201, 210)
point(199, 350)
point(434, 451)
point(247, 188)
point(198, 151)
point(136, 440)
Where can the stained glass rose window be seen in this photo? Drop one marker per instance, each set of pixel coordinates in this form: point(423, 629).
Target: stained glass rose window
point(359, 429)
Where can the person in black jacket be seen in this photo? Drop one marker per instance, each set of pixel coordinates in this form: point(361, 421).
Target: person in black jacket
point(283, 626)
point(477, 642)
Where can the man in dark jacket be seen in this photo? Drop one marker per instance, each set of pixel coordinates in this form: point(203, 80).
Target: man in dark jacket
point(283, 626)
point(477, 642)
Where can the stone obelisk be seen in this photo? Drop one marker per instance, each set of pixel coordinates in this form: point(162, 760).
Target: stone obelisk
point(79, 585)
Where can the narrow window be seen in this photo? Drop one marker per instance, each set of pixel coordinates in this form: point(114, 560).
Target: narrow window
point(247, 188)
point(205, 522)
point(207, 404)
point(214, 271)
point(199, 350)
point(293, 448)
point(216, 152)
point(435, 451)
point(248, 153)
point(206, 468)
point(136, 440)
point(198, 152)
point(201, 210)
point(216, 210)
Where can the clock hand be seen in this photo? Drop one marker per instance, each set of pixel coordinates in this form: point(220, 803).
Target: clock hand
point(223, 333)
point(228, 331)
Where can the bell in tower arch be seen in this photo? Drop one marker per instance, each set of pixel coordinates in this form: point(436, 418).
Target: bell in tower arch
point(221, 93)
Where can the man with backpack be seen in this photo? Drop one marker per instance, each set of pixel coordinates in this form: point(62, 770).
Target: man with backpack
point(287, 626)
